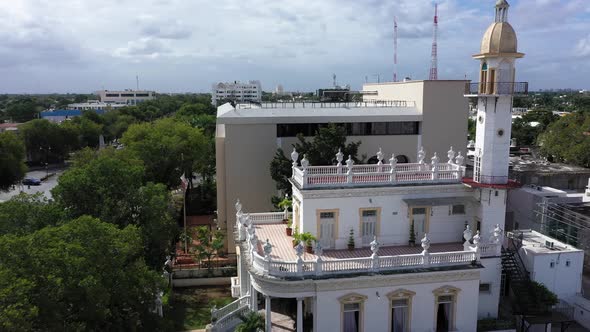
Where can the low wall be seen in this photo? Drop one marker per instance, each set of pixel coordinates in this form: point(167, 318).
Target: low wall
point(191, 282)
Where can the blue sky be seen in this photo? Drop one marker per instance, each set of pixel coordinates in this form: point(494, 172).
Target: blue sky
point(182, 45)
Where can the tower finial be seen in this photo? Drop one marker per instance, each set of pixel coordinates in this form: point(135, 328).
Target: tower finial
point(502, 11)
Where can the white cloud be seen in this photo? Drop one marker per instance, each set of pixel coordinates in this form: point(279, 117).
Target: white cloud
point(583, 47)
point(186, 45)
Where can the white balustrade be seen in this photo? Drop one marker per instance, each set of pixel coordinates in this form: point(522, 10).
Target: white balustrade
point(280, 268)
point(267, 217)
point(307, 176)
point(216, 314)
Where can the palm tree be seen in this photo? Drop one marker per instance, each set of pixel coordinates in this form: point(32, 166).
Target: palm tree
point(251, 322)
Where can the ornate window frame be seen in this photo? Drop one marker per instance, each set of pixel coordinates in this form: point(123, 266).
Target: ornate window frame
point(401, 294)
point(446, 291)
point(353, 298)
point(318, 213)
point(377, 222)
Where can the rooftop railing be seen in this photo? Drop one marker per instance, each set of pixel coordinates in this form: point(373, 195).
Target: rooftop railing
point(307, 176)
point(313, 104)
point(496, 88)
point(259, 254)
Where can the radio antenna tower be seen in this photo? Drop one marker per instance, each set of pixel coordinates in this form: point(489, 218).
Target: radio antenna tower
point(434, 64)
point(395, 49)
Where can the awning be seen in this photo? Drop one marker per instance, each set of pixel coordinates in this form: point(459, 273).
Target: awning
point(440, 201)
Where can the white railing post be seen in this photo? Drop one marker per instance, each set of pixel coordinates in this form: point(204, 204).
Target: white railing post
point(425, 246)
point(304, 165)
point(496, 239)
point(392, 165)
point(349, 164)
point(460, 168)
point(379, 161)
point(467, 235)
point(450, 155)
point(421, 156)
point(339, 158)
point(434, 164)
point(374, 257)
point(476, 248)
point(299, 251)
point(318, 261)
point(294, 158)
point(267, 250)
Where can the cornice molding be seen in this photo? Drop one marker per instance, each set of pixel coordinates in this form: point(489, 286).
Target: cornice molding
point(298, 288)
point(382, 191)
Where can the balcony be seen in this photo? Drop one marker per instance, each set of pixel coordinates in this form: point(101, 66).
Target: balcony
point(275, 256)
point(351, 175)
point(496, 89)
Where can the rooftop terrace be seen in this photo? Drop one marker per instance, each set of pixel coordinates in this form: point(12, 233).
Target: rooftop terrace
point(271, 252)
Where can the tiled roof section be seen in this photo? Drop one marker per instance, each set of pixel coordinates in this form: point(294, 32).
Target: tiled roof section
point(282, 246)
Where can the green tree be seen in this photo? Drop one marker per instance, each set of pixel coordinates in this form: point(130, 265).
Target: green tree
point(12, 160)
point(81, 276)
point(111, 187)
point(252, 321)
point(209, 243)
point(106, 187)
point(46, 141)
point(23, 109)
point(168, 149)
point(24, 214)
point(320, 150)
point(568, 139)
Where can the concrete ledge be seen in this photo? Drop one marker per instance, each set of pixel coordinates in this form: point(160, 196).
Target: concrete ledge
point(190, 282)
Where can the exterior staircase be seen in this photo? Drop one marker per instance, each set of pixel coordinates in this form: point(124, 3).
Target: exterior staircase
point(523, 297)
point(227, 318)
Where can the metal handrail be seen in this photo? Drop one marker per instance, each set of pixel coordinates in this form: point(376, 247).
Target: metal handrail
point(497, 88)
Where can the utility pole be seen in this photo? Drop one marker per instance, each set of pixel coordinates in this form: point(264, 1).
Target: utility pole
point(395, 49)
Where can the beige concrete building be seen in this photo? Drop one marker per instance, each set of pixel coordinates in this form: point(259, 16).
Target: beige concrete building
point(397, 118)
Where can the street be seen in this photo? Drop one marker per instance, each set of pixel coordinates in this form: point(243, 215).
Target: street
point(45, 186)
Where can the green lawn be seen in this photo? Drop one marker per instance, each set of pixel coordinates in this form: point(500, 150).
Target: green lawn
point(190, 308)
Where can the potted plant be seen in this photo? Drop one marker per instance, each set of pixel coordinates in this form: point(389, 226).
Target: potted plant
point(285, 205)
point(412, 240)
point(296, 236)
point(351, 239)
point(289, 229)
point(307, 238)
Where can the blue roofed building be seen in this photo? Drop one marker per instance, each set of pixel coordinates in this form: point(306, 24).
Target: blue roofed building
point(59, 116)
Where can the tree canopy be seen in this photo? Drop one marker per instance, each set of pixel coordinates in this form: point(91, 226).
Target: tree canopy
point(12, 160)
point(111, 187)
point(84, 275)
point(525, 133)
point(320, 150)
point(568, 139)
point(168, 149)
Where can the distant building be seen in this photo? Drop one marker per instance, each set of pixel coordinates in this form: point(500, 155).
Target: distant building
point(279, 90)
point(59, 116)
point(335, 94)
point(95, 105)
point(128, 97)
point(8, 126)
point(236, 91)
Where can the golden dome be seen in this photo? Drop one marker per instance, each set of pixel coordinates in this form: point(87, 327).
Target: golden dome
point(499, 38)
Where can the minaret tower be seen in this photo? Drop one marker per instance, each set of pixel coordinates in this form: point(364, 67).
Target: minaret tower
point(494, 99)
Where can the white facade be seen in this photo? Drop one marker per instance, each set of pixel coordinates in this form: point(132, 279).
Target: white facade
point(127, 97)
point(236, 91)
point(587, 193)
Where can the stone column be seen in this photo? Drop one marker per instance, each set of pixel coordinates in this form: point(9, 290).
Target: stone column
point(268, 314)
point(299, 314)
point(253, 298)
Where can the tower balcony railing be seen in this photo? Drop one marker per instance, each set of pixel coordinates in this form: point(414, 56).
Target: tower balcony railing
point(350, 175)
point(496, 89)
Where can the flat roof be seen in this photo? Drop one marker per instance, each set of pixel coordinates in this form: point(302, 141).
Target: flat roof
point(519, 164)
point(536, 243)
point(302, 113)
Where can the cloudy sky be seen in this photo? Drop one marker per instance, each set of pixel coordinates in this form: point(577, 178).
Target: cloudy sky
point(185, 45)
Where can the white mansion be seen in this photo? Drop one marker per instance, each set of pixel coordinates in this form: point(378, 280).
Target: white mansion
point(363, 272)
